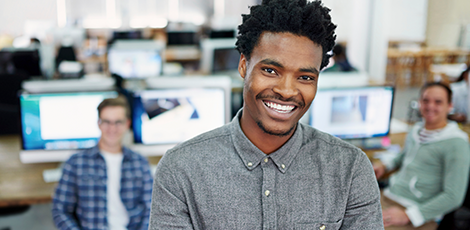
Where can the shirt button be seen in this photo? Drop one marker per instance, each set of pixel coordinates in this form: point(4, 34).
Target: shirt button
point(250, 164)
point(266, 160)
point(267, 192)
point(322, 227)
point(283, 166)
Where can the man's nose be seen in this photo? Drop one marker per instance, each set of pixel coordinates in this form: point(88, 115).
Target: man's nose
point(286, 87)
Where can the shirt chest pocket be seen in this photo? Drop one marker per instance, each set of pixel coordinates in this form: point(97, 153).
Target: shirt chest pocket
point(319, 225)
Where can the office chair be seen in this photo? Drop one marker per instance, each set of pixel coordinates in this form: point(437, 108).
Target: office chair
point(66, 53)
point(27, 62)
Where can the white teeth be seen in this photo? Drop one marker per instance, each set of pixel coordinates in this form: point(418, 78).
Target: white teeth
point(280, 108)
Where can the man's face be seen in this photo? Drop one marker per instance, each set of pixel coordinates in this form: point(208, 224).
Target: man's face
point(280, 81)
point(434, 105)
point(113, 124)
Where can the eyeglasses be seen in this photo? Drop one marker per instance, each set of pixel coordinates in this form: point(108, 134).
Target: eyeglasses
point(107, 123)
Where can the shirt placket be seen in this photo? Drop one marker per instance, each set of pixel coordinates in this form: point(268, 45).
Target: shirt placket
point(268, 196)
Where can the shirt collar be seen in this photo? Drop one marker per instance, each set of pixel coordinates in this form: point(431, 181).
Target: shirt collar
point(252, 156)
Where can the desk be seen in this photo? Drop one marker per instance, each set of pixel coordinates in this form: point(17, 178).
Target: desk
point(23, 184)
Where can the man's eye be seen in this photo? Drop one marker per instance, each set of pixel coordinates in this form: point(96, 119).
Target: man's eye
point(269, 70)
point(307, 78)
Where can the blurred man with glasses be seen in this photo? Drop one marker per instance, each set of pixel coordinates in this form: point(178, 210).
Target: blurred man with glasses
point(107, 186)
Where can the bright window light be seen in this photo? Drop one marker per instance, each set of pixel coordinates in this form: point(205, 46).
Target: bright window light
point(61, 13)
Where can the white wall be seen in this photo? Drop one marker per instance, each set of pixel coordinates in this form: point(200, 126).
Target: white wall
point(445, 21)
point(407, 20)
point(14, 13)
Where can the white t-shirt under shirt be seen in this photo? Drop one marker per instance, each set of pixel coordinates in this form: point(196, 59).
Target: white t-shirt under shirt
point(117, 213)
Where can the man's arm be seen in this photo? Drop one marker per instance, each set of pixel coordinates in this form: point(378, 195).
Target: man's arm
point(65, 199)
point(146, 193)
point(169, 207)
point(380, 168)
point(457, 163)
point(363, 210)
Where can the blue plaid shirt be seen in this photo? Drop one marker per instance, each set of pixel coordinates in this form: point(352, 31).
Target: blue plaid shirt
point(80, 197)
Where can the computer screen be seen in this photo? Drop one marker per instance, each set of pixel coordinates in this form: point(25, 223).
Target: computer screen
point(165, 116)
point(351, 113)
point(182, 38)
point(6, 66)
point(222, 33)
point(219, 55)
point(128, 34)
point(175, 115)
point(135, 63)
point(20, 61)
point(225, 59)
point(60, 121)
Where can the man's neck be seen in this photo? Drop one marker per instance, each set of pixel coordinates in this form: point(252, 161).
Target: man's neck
point(108, 148)
point(267, 143)
point(439, 125)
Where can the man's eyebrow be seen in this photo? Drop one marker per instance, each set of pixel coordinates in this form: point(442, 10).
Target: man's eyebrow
point(269, 61)
point(310, 70)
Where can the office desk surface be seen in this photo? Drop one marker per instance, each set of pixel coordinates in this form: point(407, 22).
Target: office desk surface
point(23, 184)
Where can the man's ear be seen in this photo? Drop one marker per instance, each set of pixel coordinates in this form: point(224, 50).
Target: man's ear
point(242, 66)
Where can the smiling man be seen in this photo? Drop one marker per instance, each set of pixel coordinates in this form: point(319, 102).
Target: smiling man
point(265, 170)
point(107, 186)
point(433, 167)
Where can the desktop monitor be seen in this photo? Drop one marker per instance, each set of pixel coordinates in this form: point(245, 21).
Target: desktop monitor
point(353, 113)
point(181, 38)
point(6, 66)
point(23, 61)
point(228, 33)
point(175, 109)
point(135, 59)
point(128, 34)
point(55, 125)
point(219, 55)
point(225, 59)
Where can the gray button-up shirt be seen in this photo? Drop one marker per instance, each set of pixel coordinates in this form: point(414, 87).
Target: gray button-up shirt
point(220, 180)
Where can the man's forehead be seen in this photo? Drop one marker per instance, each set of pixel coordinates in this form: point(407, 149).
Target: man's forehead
point(270, 43)
point(265, 35)
point(113, 111)
point(435, 92)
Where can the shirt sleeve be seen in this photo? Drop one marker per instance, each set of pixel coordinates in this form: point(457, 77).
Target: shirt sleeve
point(457, 162)
point(147, 193)
point(169, 207)
point(65, 199)
point(363, 210)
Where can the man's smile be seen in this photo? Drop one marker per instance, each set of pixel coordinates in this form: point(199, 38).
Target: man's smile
point(279, 107)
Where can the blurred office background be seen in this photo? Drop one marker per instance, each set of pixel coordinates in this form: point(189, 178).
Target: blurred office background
point(403, 43)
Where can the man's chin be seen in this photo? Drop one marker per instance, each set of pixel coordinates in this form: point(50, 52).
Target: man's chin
point(275, 132)
point(111, 142)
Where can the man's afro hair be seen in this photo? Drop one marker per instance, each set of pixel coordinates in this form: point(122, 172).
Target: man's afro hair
point(293, 16)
